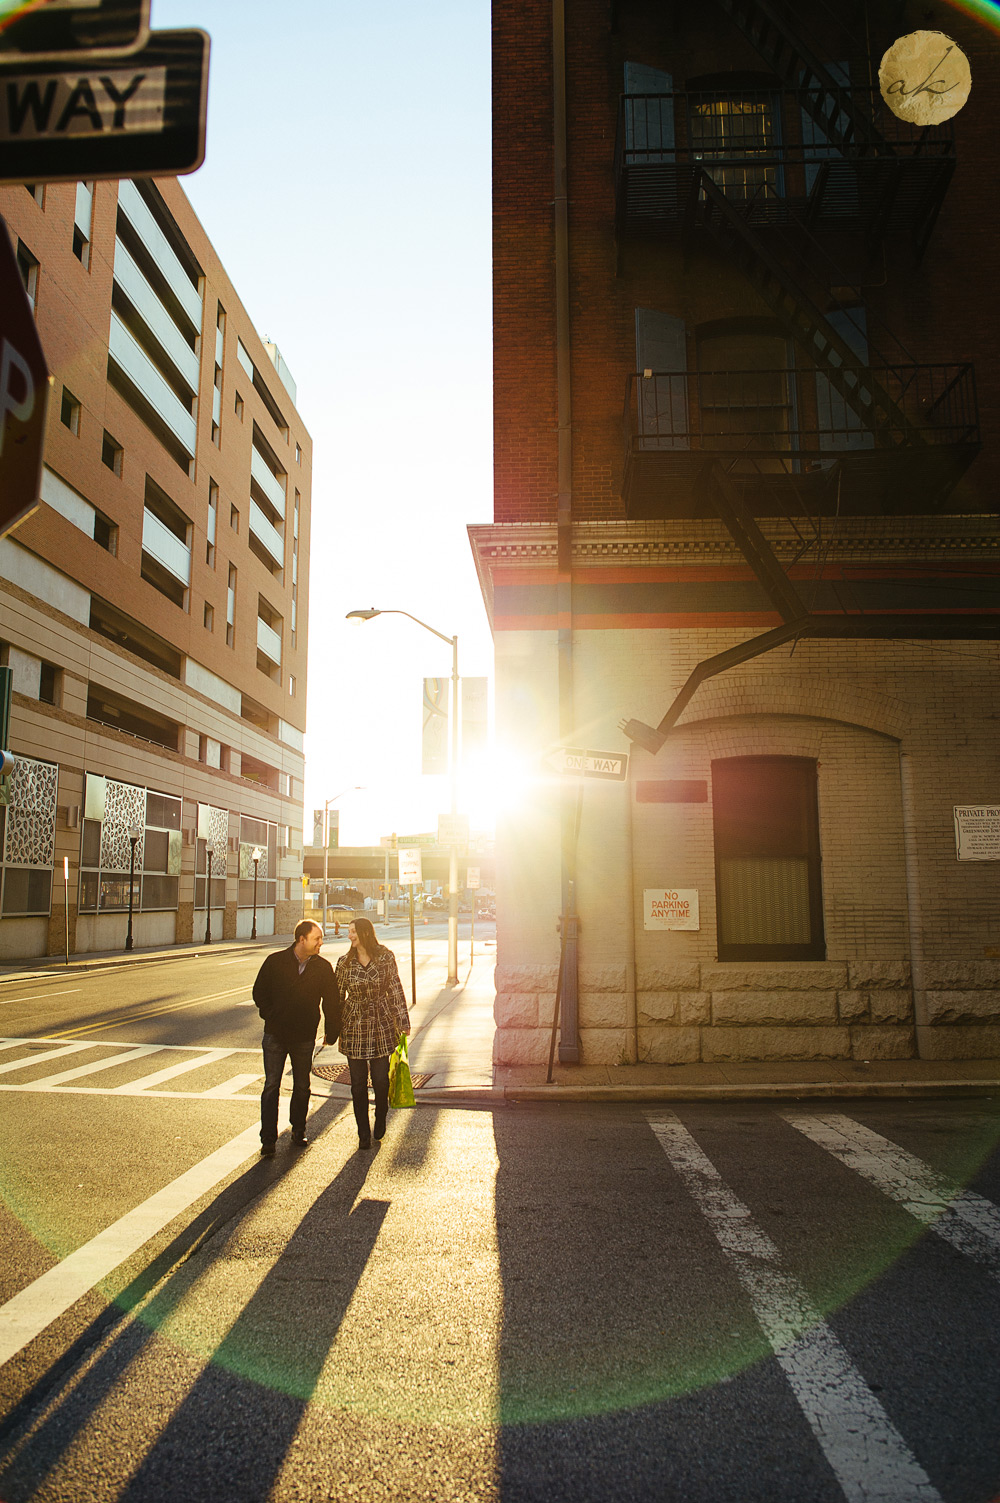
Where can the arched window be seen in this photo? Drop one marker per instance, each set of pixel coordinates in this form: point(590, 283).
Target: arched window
point(767, 860)
point(734, 127)
point(745, 390)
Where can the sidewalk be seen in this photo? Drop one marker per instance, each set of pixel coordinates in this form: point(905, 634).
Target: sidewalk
point(452, 1043)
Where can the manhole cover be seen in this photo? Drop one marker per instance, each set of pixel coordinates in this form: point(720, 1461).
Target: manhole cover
point(341, 1075)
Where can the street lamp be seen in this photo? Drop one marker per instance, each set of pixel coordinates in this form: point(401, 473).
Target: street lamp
point(453, 853)
point(255, 855)
point(133, 836)
point(209, 853)
point(354, 788)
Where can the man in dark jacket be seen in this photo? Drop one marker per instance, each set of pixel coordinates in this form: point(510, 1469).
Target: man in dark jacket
point(288, 990)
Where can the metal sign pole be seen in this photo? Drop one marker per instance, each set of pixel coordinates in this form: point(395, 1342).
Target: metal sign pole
point(66, 888)
point(413, 955)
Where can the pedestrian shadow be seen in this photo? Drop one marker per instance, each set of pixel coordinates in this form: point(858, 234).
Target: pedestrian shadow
point(262, 1373)
point(411, 1148)
point(258, 1385)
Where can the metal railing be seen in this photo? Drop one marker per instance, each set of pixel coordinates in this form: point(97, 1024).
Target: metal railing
point(796, 411)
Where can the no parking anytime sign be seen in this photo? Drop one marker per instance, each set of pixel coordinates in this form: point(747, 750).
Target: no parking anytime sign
point(670, 908)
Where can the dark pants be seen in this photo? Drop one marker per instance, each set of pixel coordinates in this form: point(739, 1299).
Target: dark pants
point(359, 1093)
point(275, 1054)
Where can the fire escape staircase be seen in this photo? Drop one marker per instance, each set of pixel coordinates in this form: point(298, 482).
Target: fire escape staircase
point(802, 318)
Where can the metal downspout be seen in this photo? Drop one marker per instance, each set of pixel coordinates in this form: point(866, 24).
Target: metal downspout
point(569, 1041)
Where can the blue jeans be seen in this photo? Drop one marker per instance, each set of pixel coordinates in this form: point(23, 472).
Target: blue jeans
point(275, 1054)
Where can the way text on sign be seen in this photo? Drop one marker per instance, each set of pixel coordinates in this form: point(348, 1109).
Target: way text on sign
point(109, 102)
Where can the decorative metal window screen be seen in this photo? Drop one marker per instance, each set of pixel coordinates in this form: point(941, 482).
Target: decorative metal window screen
point(767, 867)
point(30, 826)
point(125, 807)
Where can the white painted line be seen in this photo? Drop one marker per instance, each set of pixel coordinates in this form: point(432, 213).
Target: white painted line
point(138, 1087)
point(51, 1082)
point(42, 996)
point(37, 1059)
point(230, 1088)
point(871, 1460)
point(247, 960)
point(970, 1222)
point(28, 1313)
point(124, 1044)
point(154, 1094)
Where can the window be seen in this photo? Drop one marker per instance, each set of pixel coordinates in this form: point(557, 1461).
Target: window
point(105, 532)
point(239, 407)
point(291, 685)
point(209, 617)
point(111, 454)
point(37, 191)
point(27, 265)
point(767, 863)
point(231, 608)
point(735, 134)
point(298, 453)
point(157, 857)
point(745, 389)
point(50, 684)
point(213, 517)
point(234, 519)
point(70, 411)
point(82, 220)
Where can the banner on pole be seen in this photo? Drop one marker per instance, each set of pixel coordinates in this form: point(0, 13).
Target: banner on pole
point(475, 716)
point(435, 739)
point(318, 828)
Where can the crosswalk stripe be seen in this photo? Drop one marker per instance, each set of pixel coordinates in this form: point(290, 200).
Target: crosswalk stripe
point(138, 1051)
point(230, 1087)
point(871, 1460)
point(38, 1059)
point(968, 1221)
point(170, 1072)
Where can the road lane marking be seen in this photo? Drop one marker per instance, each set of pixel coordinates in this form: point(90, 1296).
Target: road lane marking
point(37, 1059)
point(869, 1457)
point(28, 1313)
point(53, 1082)
point(152, 1012)
point(137, 1087)
point(41, 997)
point(970, 1222)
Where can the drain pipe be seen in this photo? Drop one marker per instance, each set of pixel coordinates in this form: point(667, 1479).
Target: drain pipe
point(914, 910)
point(569, 1037)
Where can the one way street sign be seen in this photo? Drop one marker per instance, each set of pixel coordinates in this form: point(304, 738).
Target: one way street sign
point(106, 115)
point(574, 762)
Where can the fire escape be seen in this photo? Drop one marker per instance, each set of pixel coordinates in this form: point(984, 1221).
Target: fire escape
point(853, 425)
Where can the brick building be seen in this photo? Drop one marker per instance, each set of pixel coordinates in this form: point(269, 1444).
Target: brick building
point(747, 451)
point(153, 609)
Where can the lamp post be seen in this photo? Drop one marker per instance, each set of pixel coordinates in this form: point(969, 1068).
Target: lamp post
point(133, 836)
point(209, 853)
point(453, 852)
point(354, 788)
point(255, 858)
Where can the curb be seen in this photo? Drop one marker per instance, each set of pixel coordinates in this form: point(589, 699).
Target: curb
point(489, 1096)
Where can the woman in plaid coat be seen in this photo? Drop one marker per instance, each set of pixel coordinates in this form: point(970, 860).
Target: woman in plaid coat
point(374, 1015)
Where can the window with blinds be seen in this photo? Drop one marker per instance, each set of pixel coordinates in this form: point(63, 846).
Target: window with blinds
point(767, 859)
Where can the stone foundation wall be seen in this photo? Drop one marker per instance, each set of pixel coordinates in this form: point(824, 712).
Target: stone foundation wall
point(695, 1012)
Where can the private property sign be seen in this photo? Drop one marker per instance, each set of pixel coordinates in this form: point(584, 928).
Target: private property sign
point(977, 832)
point(575, 762)
point(670, 908)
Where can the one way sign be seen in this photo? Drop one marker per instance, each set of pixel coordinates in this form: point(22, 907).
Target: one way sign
point(575, 762)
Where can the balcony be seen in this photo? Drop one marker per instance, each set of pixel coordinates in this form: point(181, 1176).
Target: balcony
point(159, 322)
point(134, 207)
point(128, 354)
point(770, 154)
point(268, 536)
point(269, 642)
point(166, 548)
point(795, 443)
point(272, 488)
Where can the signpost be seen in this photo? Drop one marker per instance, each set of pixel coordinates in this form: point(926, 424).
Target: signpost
point(24, 393)
point(573, 761)
point(472, 883)
point(409, 875)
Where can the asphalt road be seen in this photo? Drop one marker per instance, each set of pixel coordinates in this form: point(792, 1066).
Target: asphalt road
point(557, 1302)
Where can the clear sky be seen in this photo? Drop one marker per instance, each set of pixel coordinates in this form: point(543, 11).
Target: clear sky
point(346, 188)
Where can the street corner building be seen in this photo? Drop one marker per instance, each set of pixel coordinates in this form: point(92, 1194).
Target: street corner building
point(747, 462)
point(153, 608)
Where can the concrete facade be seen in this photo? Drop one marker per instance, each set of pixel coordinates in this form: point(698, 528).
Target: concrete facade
point(154, 608)
point(596, 604)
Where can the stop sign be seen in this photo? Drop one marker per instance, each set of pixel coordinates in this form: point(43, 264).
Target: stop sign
point(24, 392)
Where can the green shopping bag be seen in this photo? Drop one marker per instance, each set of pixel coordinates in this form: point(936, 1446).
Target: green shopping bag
point(400, 1085)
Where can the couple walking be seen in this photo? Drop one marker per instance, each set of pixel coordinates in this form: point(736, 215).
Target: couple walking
point(363, 1005)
